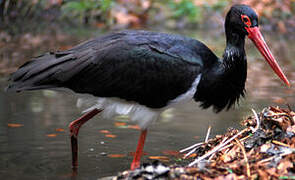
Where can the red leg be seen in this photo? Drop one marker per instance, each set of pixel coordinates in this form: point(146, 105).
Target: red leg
point(139, 150)
point(74, 129)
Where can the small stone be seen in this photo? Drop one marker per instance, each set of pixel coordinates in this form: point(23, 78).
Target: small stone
point(103, 153)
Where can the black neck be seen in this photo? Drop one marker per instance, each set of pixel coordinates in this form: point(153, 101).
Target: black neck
point(224, 83)
point(234, 56)
point(228, 82)
point(235, 67)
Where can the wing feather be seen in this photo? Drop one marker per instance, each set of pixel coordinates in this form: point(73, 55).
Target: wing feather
point(146, 67)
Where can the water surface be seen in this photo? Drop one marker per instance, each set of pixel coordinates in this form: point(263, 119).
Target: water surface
point(40, 149)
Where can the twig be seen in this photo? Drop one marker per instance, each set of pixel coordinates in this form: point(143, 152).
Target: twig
point(245, 157)
point(280, 143)
point(272, 157)
point(208, 134)
point(226, 147)
point(217, 148)
point(223, 142)
point(211, 157)
point(257, 122)
point(244, 138)
point(191, 147)
point(266, 160)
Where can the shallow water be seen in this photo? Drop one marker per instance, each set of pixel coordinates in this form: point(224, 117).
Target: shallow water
point(40, 149)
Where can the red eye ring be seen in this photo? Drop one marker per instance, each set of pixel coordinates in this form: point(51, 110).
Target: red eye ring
point(246, 20)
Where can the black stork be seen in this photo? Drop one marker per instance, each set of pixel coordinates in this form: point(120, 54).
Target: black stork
point(141, 73)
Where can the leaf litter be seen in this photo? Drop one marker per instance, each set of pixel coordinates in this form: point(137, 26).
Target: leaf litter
point(264, 149)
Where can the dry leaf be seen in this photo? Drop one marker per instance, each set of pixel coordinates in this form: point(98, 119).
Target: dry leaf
point(110, 135)
point(160, 158)
point(51, 135)
point(120, 124)
point(133, 127)
point(59, 130)
point(14, 125)
point(116, 155)
point(104, 131)
point(192, 155)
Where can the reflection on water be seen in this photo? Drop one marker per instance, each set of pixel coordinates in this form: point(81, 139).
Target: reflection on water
point(37, 150)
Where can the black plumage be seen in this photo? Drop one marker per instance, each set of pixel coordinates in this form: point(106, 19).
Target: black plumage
point(146, 67)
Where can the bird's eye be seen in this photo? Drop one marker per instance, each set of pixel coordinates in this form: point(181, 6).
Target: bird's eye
point(246, 20)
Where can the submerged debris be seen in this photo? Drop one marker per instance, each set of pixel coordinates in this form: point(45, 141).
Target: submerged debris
point(264, 149)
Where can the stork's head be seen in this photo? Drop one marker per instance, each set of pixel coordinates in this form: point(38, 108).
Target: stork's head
point(243, 21)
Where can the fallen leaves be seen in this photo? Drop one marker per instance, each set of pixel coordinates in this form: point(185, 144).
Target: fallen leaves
point(104, 131)
point(107, 133)
point(160, 158)
point(126, 126)
point(51, 135)
point(133, 127)
point(117, 124)
point(14, 125)
point(116, 155)
point(264, 149)
point(59, 130)
point(110, 135)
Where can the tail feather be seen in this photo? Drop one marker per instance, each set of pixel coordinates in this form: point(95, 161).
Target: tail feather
point(37, 66)
point(46, 71)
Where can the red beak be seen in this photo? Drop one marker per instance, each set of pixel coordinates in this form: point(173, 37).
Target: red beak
point(257, 38)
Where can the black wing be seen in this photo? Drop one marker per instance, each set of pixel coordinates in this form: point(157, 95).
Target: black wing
point(146, 67)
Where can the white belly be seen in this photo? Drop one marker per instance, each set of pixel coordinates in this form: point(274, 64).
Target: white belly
point(112, 107)
point(140, 114)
